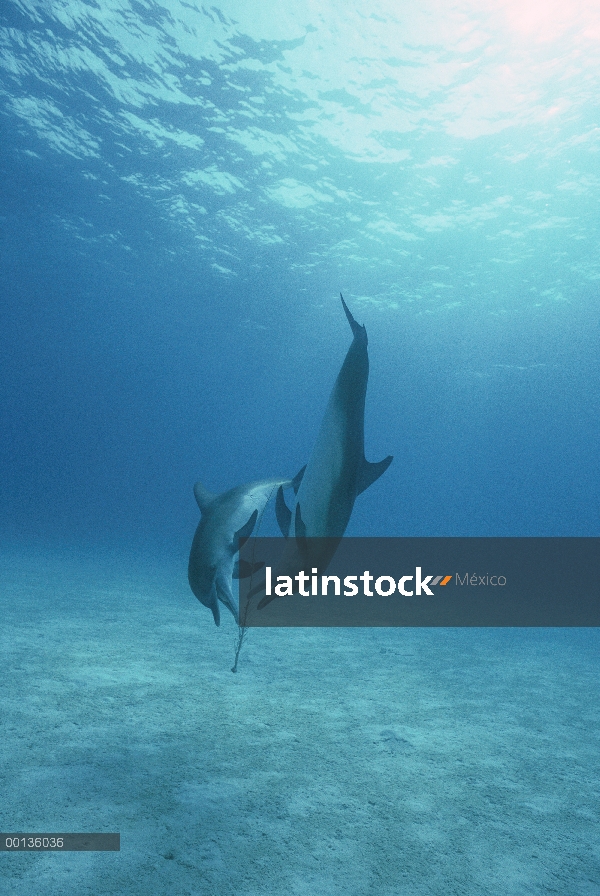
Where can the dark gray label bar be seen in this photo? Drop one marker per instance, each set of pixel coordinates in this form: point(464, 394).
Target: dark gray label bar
point(436, 582)
point(60, 842)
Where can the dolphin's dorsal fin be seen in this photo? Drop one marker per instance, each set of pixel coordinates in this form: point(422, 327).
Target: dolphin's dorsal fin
point(203, 496)
point(242, 535)
point(283, 513)
point(298, 479)
point(370, 473)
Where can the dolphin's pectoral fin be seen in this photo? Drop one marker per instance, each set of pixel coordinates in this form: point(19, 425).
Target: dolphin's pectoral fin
point(370, 473)
point(226, 597)
point(299, 524)
point(298, 479)
point(263, 601)
point(283, 513)
point(242, 535)
point(242, 569)
point(203, 496)
point(300, 529)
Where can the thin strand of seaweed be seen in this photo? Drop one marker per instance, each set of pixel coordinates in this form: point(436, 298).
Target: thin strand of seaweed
point(243, 619)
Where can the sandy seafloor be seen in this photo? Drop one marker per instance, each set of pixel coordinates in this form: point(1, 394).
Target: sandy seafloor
point(383, 762)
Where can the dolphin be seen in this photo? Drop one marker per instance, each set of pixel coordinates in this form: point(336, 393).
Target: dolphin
point(227, 521)
point(336, 473)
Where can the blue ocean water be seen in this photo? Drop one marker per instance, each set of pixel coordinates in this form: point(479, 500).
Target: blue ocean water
point(185, 190)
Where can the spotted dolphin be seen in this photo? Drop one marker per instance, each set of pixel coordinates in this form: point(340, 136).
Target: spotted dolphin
point(337, 471)
point(226, 523)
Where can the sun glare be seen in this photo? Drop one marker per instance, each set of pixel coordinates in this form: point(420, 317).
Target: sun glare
point(546, 20)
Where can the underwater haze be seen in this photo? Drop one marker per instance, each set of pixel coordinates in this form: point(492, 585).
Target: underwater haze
point(185, 191)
